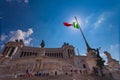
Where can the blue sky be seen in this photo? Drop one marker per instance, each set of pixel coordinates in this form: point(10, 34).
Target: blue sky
point(36, 20)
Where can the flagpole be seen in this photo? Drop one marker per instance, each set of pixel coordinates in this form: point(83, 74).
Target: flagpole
point(87, 45)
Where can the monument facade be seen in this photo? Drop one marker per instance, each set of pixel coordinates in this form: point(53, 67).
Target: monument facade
point(16, 58)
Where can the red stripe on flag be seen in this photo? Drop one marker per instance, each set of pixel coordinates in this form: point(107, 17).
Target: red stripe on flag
point(67, 24)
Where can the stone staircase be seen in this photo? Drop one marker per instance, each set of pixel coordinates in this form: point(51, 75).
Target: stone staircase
point(62, 77)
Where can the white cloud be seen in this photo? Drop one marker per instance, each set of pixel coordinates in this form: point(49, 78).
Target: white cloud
point(1, 17)
point(3, 37)
point(19, 1)
point(26, 1)
point(114, 46)
point(102, 17)
point(19, 34)
point(102, 55)
point(87, 20)
point(114, 51)
point(100, 20)
point(83, 54)
point(27, 41)
point(1, 46)
point(29, 32)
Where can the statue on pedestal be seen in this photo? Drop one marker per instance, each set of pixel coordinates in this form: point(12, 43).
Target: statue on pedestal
point(109, 58)
point(112, 63)
point(42, 44)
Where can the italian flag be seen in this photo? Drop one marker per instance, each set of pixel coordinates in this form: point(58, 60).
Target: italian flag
point(74, 24)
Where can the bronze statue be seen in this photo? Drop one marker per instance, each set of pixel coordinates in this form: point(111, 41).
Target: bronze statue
point(42, 44)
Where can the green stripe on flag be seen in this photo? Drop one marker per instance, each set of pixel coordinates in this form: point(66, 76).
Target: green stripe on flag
point(75, 25)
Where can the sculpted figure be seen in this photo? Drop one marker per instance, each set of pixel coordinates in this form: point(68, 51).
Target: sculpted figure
point(109, 58)
point(108, 55)
point(42, 44)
